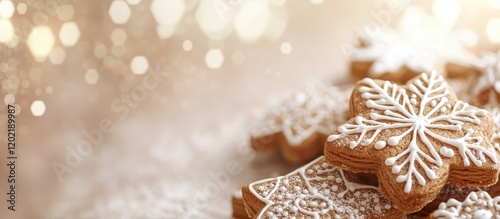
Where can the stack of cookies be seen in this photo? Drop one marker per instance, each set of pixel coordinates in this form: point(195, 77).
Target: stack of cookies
point(398, 148)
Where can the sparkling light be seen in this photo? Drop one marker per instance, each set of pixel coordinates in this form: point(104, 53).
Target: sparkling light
point(134, 2)
point(38, 108)
point(252, 20)
point(22, 8)
point(69, 34)
point(119, 11)
point(91, 76)
point(9, 99)
point(57, 55)
point(40, 42)
point(100, 51)
point(168, 12)
point(139, 65)
point(214, 58)
point(286, 48)
point(65, 12)
point(495, 3)
point(187, 45)
point(119, 36)
point(165, 31)
point(493, 30)
point(317, 2)
point(446, 10)
point(6, 8)
point(214, 19)
point(6, 30)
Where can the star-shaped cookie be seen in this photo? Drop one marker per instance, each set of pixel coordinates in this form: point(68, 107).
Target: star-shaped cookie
point(300, 125)
point(416, 138)
point(418, 45)
point(317, 190)
point(477, 205)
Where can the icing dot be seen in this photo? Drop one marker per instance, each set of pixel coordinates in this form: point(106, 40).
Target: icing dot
point(260, 188)
point(390, 161)
point(279, 210)
point(335, 188)
point(394, 140)
point(380, 144)
point(313, 204)
point(413, 101)
point(296, 188)
point(310, 171)
point(302, 202)
point(326, 192)
point(378, 208)
point(286, 182)
point(338, 180)
point(376, 200)
point(324, 185)
point(352, 144)
point(270, 214)
point(433, 103)
point(325, 165)
point(330, 178)
point(282, 188)
point(447, 152)
point(280, 197)
point(265, 193)
point(396, 169)
point(387, 206)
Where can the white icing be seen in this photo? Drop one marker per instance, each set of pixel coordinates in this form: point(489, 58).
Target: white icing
point(390, 108)
point(420, 47)
point(490, 76)
point(317, 200)
point(477, 205)
point(315, 107)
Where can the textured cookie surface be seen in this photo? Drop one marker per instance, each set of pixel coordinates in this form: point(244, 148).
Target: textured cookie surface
point(477, 205)
point(416, 138)
point(317, 190)
point(399, 55)
point(238, 206)
point(301, 124)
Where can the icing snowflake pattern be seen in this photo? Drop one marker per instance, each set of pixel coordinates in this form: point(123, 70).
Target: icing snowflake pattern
point(394, 107)
point(319, 190)
point(477, 205)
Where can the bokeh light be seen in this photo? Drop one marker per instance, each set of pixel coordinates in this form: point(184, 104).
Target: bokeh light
point(214, 18)
point(38, 108)
point(168, 13)
point(118, 36)
point(57, 55)
point(252, 20)
point(493, 30)
point(6, 30)
point(22, 8)
point(119, 11)
point(214, 58)
point(91, 76)
point(40, 42)
point(65, 12)
point(447, 10)
point(187, 45)
point(139, 65)
point(69, 34)
point(6, 8)
point(286, 48)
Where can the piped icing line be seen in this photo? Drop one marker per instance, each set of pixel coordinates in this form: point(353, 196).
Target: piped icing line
point(333, 174)
point(316, 107)
point(394, 107)
point(477, 205)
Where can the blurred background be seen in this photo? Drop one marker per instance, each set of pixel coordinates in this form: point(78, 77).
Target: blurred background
point(141, 108)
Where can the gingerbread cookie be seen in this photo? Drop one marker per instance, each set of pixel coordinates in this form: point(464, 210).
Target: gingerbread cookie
point(317, 190)
point(300, 126)
point(239, 211)
point(477, 205)
point(416, 138)
point(399, 55)
point(486, 89)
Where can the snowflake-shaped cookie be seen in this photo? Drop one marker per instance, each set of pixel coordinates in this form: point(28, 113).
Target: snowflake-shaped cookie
point(486, 88)
point(401, 54)
point(477, 205)
point(317, 190)
point(301, 124)
point(416, 138)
